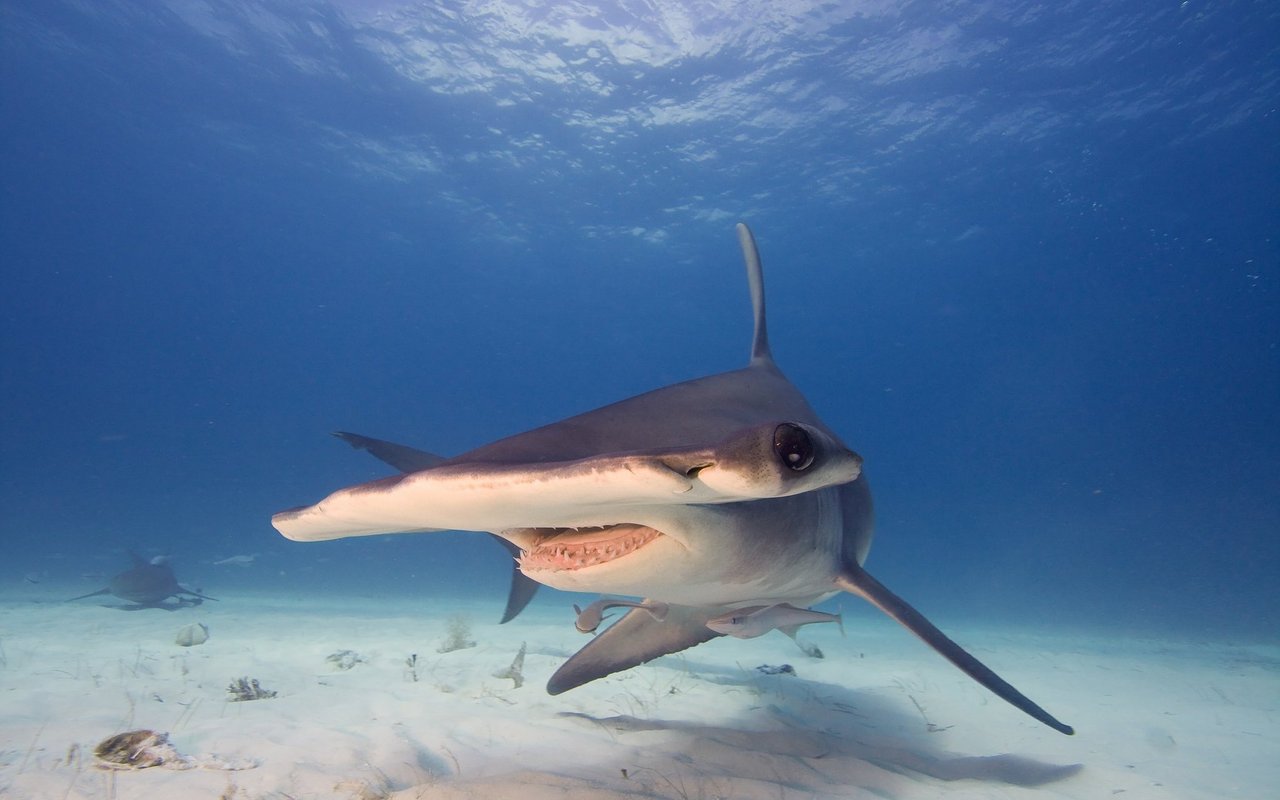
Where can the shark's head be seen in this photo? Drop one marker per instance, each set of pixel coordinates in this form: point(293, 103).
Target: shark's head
point(702, 550)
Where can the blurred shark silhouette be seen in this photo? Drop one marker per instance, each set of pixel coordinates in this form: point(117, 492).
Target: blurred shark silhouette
point(714, 494)
point(147, 584)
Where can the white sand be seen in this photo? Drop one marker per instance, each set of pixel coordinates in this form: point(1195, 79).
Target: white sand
point(1158, 719)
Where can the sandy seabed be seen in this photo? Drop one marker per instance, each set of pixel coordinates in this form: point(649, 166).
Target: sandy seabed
point(880, 717)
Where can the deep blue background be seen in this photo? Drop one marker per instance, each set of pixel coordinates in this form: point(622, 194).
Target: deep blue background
point(1025, 259)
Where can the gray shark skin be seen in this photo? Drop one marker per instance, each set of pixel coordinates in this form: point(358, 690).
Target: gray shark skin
point(718, 493)
point(147, 584)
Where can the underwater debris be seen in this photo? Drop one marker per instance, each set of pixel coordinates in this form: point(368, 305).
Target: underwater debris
point(515, 671)
point(781, 669)
point(193, 634)
point(810, 649)
point(244, 689)
point(459, 635)
point(928, 724)
point(344, 659)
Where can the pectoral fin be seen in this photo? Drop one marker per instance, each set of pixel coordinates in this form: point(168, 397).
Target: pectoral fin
point(400, 456)
point(523, 588)
point(636, 638)
point(856, 580)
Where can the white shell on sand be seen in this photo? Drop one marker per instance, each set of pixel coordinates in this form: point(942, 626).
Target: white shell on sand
point(193, 634)
point(141, 749)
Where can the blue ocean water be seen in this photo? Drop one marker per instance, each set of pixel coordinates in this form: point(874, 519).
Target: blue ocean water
point(1022, 256)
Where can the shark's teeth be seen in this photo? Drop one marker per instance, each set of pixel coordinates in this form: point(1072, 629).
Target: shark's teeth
point(579, 549)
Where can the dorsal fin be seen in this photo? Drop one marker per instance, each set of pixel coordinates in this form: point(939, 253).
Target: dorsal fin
point(760, 353)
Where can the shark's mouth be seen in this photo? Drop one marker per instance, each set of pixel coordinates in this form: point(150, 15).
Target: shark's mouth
point(576, 548)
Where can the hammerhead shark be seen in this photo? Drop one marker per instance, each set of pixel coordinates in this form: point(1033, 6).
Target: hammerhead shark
point(713, 494)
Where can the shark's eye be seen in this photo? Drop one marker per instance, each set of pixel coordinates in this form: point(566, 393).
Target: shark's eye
point(793, 446)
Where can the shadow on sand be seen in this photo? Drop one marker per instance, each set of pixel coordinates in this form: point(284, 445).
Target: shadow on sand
point(801, 740)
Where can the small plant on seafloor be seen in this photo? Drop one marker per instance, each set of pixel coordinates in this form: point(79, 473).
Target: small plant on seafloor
point(243, 689)
point(458, 635)
point(516, 671)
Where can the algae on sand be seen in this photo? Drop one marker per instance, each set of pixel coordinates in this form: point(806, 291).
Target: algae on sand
point(458, 635)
